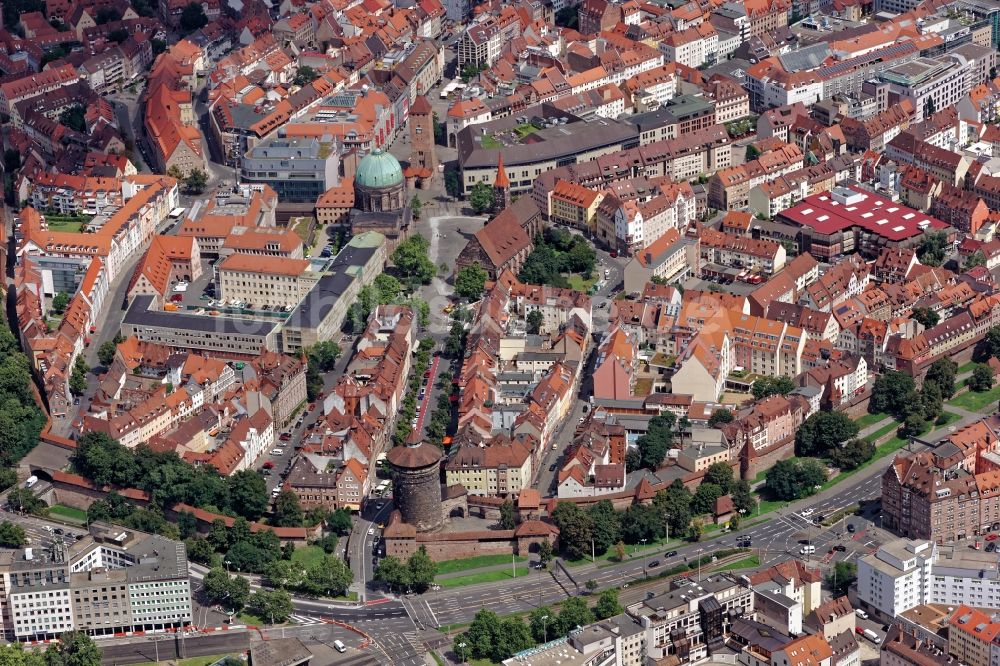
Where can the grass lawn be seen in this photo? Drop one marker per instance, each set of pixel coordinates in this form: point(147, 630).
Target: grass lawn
point(66, 224)
point(968, 367)
point(306, 557)
point(745, 563)
point(484, 577)
point(197, 661)
point(453, 566)
point(577, 282)
point(68, 512)
point(870, 419)
point(482, 662)
point(524, 130)
point(247, 618)
point(490, 143)
point(975, 401)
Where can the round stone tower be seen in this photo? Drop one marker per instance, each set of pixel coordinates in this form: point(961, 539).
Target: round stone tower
point(416, 484)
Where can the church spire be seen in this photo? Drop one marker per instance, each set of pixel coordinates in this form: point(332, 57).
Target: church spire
point(501, 187)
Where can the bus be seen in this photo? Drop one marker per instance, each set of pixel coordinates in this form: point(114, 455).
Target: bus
point(381, 488)
point(176, 214)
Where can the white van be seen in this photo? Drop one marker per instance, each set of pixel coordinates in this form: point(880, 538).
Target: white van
point(339, 647)
point(807, 550)
point(860, 613)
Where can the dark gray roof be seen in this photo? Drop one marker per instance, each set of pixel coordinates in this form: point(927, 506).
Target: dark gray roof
point(140, 314)
point(751, 632)
point(317, 304)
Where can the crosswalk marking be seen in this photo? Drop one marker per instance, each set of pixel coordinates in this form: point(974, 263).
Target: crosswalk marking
point(304, 620)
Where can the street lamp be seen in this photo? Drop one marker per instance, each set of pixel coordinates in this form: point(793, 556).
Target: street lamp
point(227, 563)
point(461, 646)
point(643, 557)
point(545, 629)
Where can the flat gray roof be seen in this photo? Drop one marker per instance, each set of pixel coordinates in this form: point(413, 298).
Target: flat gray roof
point(140, 314)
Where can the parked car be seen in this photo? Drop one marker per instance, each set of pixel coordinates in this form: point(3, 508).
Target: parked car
point(850, 528)
point(277, 452)
point(654, 564)
point(670, 553)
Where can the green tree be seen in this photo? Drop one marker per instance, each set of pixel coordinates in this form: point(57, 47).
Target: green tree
point(795, 478)
point(24, 501)
point(545, 553)
point(752, 153)
point(196, 181)
point(305, 75)
point(513, 637)
point(482, 635)
point(387, 288)
point(674, 504)
point(842, 577)
point(248, 494)
point(942, 373)
point(508, 520)
point(73, 117)
point(421, 569)
point(543, 624)
point(287, 510)
point(107, 15)
point(653, 445)
point(339, 521)
point(193, 17)
point(324, 354)
point(822, 432)
point(743, 499)
point(696, 530)
point(118, 35)
point(576, 528)
point(620, 551)
point(471, 281)
point(481, 198)
point(574, 613)
point(12, 535)
point(642, 522)
point(704, 498)
point(106, 353)
point(534, 322)
point(74, 648)
point(60, 302)
point(412, 259)
point(720, 415)
point(889, 394)
point(914, 424)
point(393, 573)
point(201, 551)
point(270, 605)
point(607, 604)
point(159, 46)
point(606, 525)
point(926, 317)
point(416, 206)
point(982, 378)
point(932, 248)
point(977, 258)
point(78, 378)
point(721, 474)
point(230, 592)
point(852, 454)
point(768, 386)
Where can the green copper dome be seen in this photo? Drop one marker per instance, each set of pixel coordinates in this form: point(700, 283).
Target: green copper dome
point(378, 169)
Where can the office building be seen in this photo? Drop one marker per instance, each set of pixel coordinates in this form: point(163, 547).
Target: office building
point(298, 169)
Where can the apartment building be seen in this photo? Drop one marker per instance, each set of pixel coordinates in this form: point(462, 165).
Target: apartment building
point(692, 616)
point(732, 251)
point(930, 84)
point(896, 577)
point(263, 281)
point(113, 580)
point(574, 205)
point(501, 467)
point(298, 169)
point(972, 635)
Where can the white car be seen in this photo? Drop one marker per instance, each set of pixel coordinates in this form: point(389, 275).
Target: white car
point(371, 531)
point(805, 513)
point(181, 287)
point(277, 452)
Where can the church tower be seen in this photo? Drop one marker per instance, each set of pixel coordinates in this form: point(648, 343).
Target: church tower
point(501, 187)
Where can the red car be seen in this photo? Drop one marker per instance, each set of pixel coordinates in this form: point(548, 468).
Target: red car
point(992, 536)
point(285, 437)
point(312, 406)
point(268, 465)
point(177, 298)
point(614, 255)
